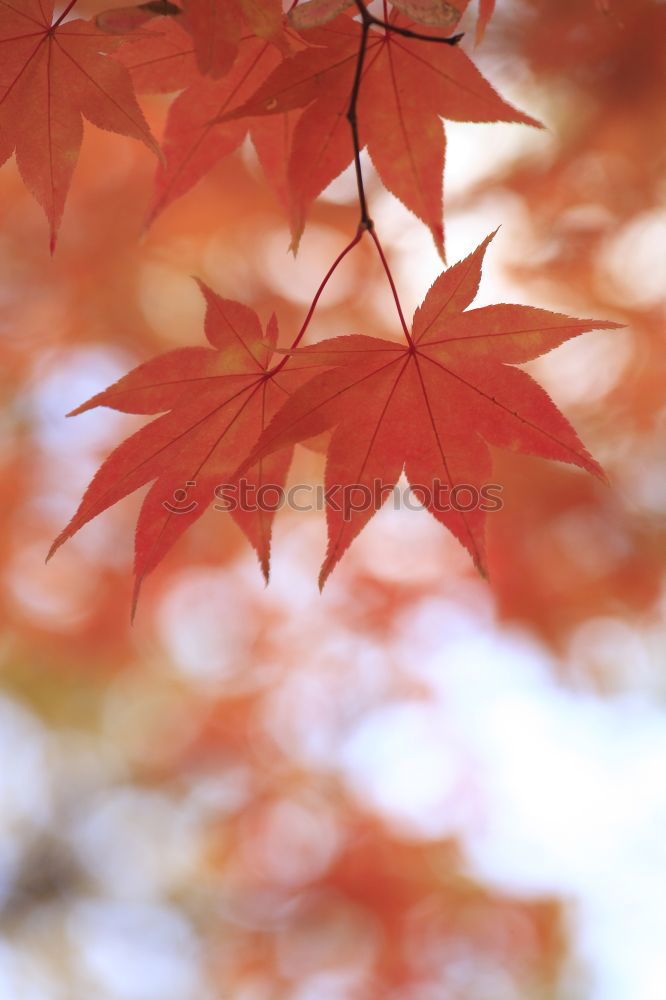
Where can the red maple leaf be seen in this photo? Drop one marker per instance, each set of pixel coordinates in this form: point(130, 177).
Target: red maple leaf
point(122, 20)
point(162, 60)
point(217, 28)
point(53, 74)
point(195, 140)
point(407, 86)
point(218, 399)
point(432, 406)
point(486, 11)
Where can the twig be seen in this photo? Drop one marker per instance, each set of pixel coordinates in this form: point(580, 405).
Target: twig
point(366, 221)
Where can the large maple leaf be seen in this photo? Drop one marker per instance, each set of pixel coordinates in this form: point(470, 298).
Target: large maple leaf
point(51, 75)
point(432, 406)
point(408, 85)
point(219, 399)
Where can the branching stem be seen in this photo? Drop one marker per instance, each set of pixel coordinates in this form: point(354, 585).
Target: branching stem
point(365, 223)
point(394, 290)
point(408, 33)
point(329, 274)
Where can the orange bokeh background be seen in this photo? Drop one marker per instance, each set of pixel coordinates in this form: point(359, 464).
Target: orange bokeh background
point(221, 797)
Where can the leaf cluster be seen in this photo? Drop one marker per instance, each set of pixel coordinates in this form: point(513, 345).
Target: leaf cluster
point(311, 87)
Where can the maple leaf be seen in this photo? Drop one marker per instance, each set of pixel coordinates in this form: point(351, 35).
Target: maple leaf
point(432, 407)
point(195, 138)
point(216, 28)
point(408, 85)
point(272, 138)
point(214, 401)
point(122, 20)
point(52, 74)
point(162, 61)
point(486, 11)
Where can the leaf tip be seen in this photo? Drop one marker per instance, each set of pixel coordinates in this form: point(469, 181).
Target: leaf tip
point(609, 324)
point(136, 592)
point(532, 122)
point(484, 244)
point(55, 545)
point(599, 473)
point(80, 409)
point(203, 287)
point(66, 533)
point(326, 569)
point(438, 237)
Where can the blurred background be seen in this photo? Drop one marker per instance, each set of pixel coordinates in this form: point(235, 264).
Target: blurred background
point(416, 786)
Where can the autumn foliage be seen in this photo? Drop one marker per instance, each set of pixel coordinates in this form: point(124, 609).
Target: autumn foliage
point(218, 130)
point(432, 406)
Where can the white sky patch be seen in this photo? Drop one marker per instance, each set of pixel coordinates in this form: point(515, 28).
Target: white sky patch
point(64, 380)
point(403, 764)
point(116, 836)
point(585, 368)
point(136, 951)
point(632, 266)
point(293, 841)
point(206, 621)
point(569, 788)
